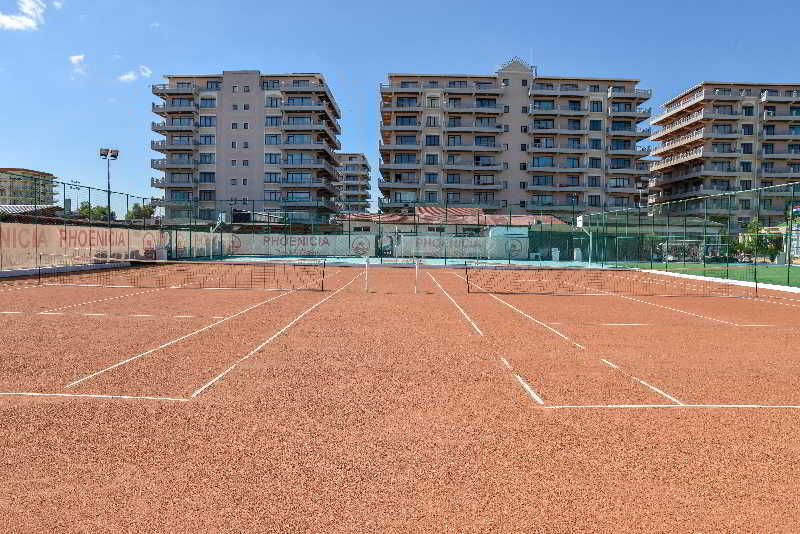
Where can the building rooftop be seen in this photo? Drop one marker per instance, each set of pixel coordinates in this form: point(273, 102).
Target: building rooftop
point(732, 84)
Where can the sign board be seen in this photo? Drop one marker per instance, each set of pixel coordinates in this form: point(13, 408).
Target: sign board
point(579, 221)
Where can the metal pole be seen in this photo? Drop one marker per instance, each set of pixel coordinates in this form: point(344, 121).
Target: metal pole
point(108, 195)
point(789, 235)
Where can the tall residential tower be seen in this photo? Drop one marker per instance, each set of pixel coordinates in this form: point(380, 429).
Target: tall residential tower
point(264, 142)
point(512, 141)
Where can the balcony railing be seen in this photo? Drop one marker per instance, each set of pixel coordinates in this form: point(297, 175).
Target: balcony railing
point(629, 131)
point(678, 158)
point(697, 115)
point(630, 93)
point(556, 109)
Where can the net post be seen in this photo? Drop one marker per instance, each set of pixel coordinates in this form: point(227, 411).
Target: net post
point(416, 275)
point(324, 260)
point(366, 274)
point(466, 275)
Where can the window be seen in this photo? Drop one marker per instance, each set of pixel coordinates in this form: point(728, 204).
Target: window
point(208, 102)
point(208, 177)
point(245, 144)
point(273, 196)
point(431, 197)
point(233, 144)
point(745, 185)
point(272, 139)
point(233, 181)
point(594, 163)
point(271, 84)
point(207, 139)
point(506, 109)
point(544, 104)
point(453, 197)
point(208, 195)
point(234, 88)
point(523, 185)
point(543, 161)
point(431, 178)
point(768, 148)
point(235, 107)
point(406, 139)
point(246, 125)
point(524, 83)
point(543, 124)
point(405, 121)
point(524, 109)
point(597, 107)
point(594, 200)
point(748, 111)
point(546, 180)
point(594, 181)
point(747, 129)
point(744, 203)
point(272, 177)
point(431, 121)
point(595, 125)
point(596, 144)
point(207, 157)
point(431, 140)
point(523, 166)
point(505, 82)
point(747, 148)
point(245, 163)
point(454, 178)
point(746, 166)
point(208, 120)
point(272, 120)
point(234, 126)
point(523, 128)
point(244, 181)
point(405, 158)
point(272, 158)
point(273, 102)
point(431, 159)
point(484, 140)
point(213, 85)
point(233, 163)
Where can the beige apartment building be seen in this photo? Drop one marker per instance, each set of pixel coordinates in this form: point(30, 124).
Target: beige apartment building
point(719, 137)
point(247, 141)
point(512, 141)
point(26, 187)
point(354, 185)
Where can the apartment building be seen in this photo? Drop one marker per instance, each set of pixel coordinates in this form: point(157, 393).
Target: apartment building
point(247, 141)
point(26, 187)
point(719, 137)
point(354, 186)
point(512, 141)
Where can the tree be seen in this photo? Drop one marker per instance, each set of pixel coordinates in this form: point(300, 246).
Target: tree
point(95, 212)
point(138, 211)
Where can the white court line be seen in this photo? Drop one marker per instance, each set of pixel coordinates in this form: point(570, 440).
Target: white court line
point(679, 311)
point(10, 312)
point(617, 406)
point(105, 300)
point(150, 315)
point(91, 396)
point(530, 391)
point(755, 325)
point(623, 324)
point(268, 341)
point(167, 344)
point(673, 399)
point(95, 314)
point(525, 314)
point(184, 316)
point(478, 330)
point(506, 363)
point(49, 313)
point(19, 288)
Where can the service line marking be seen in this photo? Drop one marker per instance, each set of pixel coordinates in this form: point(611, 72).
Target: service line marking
point(478, 330)
point(506, 363)
point(176, 340)
point(617, 406)
point(105, 300)
point(670, 397)
point(269, 340)
point(537, 321)
point(91, 396)
point(530, 391)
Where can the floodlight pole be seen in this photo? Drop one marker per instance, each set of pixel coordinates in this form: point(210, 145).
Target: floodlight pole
point(108, 154)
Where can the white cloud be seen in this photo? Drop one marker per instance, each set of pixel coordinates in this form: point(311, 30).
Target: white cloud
point(140, 71)
point(155, 25)
point(58, 4)
point(78, 66)
point(30, 16)
point(127, 77)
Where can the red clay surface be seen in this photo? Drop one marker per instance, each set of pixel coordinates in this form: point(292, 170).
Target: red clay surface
point(386, 411)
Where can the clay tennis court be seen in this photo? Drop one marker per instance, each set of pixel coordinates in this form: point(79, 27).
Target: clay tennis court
point(365, 407)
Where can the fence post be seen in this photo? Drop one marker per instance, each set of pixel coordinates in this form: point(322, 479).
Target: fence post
point(789, 235)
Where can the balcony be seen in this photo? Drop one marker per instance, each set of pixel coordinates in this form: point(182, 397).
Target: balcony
point(475, 88)
point(697, 97)
point(677, 159)
point(684, 122)
point(779, 172)
point(484, 204)
point(404, 146)
point(789, 135)
point(172, 182)
point(780, 154)
point(312, 87)
point(638, 169)
point(405, 108)
point(560, 168)
point(314, 145)
point(471, 107)
point(455, 147)
point(414, 127)
point(474, 127)
point(781, 117)
point(557, 131)
point(162, 127)
point(638, 94)
point(786, 96)
point(311, 183)
point(399, 184)
point(400, 166)
point(561, 90)
point(627, 189)
point(719, 133)
point(162, 164)
point(163, 203)
point(534, 188)
point(472, 166)
point(166, 89)
point(494, 186)
point(321, 203)
point(538, 148)
point(165, 145)
point(636, 113)
point(628, 151)
point(629, 132)
point(401, 88)
point(722, 153)
point(165, 109)
point(555, 205)
point(557, 110)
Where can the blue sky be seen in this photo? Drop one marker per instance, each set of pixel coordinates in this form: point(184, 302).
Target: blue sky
point(76, 74)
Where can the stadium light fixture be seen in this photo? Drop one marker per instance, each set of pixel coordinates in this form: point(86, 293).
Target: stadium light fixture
point(108, 154)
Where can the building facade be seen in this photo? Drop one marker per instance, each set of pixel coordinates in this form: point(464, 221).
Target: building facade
point(512, 141)
point(719, 137)
point(354, 186)
point(26, 187)
point(247, 141)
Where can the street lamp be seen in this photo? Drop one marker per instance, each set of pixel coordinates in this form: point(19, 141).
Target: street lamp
point(108, 154)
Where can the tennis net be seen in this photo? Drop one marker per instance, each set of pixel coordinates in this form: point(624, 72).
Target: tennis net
point(599, 281)
point(190, 274)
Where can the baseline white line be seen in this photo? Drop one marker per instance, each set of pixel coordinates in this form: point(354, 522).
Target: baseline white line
point(478, 330)
point(623, 324)
point(525, 314)
point(91, 396)
point(530, 391)
point(616, 406)
point(167, 344)
point(268, 341)
point(506, 363)
point(673, 399)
